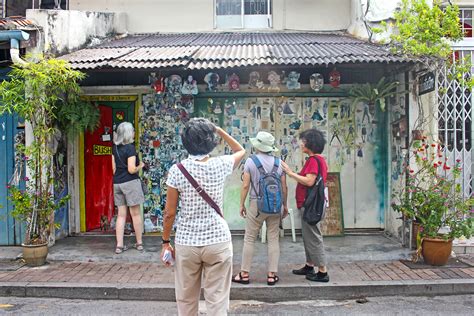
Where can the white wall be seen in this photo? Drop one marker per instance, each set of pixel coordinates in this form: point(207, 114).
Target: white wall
point(145, 16)
point(310, 15)
point(64, 31)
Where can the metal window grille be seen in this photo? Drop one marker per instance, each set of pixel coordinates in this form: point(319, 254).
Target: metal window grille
point(256, 7)
point(251, 7)
point(455, 120)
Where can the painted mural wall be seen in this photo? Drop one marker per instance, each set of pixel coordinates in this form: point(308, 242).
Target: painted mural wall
point(356, 145)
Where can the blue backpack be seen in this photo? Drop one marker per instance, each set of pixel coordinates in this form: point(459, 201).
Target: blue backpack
point(269, 193)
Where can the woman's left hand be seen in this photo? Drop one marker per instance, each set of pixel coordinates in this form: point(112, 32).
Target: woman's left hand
point(286, 168)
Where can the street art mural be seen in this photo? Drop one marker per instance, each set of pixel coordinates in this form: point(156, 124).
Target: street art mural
point(353, 146)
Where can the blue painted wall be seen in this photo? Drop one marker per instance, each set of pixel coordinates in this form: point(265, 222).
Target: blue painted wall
point(11, 233)
point(61, 217)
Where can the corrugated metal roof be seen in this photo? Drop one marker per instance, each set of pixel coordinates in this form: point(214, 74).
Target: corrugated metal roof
point(224, 50)
point(16, 22)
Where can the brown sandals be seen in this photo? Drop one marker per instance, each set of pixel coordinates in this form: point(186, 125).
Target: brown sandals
point(272, 280)
point(241, 279)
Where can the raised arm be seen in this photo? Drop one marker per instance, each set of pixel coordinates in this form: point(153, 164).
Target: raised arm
point(237, 149)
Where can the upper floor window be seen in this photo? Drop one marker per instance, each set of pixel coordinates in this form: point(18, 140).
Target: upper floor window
point(243, 14)
point(465, 16)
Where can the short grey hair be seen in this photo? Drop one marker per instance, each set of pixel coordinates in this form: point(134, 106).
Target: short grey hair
point(124, 134)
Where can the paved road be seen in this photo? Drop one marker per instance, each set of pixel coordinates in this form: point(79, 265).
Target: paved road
point(447, 305)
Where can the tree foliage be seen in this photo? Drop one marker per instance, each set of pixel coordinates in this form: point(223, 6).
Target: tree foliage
point(424, 30)
point(39, 91)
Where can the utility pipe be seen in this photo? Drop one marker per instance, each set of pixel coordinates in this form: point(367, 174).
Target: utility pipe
point(15, 36)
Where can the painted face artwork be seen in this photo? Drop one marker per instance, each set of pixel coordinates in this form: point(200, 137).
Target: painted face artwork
point(173, 84)
point(234, 82)
point(189, 86)
point(316, 82)
point(212, 80)
point(157, 83)
point(292, 82)
point(334, 78)
point(274, 80)
point(254, 77)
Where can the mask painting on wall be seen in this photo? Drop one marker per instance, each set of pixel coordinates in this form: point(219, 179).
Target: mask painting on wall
point(173, 85)
point(189, 86)
point(274, 80)
point(254, 81)
point(212, 80)
point(316, 82)
point(156, 83)
point(335, 78)
point(233, 82)
point(293, 81)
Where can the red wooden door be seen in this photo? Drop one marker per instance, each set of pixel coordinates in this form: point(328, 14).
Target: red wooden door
point(98, 171)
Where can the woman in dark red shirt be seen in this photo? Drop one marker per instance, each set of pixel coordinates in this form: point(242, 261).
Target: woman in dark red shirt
point(312, 143)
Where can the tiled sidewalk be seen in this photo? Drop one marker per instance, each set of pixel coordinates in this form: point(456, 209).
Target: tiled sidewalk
point(156, 274)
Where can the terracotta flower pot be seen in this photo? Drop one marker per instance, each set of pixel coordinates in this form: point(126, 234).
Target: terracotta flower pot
point(35, 255)
point(436, 251)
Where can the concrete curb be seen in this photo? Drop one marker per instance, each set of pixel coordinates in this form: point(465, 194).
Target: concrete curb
point(281, 292)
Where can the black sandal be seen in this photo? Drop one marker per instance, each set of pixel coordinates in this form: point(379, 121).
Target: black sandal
point(119, 250)
point(274, 279)
point(242, 279)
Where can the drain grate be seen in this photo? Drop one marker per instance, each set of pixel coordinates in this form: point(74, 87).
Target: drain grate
point(11, 265)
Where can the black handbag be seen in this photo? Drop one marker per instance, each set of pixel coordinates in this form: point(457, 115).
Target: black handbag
point(315, 203)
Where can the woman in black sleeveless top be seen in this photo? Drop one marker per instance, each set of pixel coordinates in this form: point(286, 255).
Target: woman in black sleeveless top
point(128, 191)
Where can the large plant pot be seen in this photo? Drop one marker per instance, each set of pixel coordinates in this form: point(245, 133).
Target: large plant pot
point(35, 255)
point(435, 251)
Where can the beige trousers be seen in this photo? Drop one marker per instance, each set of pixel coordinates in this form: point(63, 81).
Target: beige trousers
point(209, 267)
point(253, 223)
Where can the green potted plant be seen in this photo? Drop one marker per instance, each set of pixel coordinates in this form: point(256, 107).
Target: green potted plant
point(433, 197)
point(372, 93)
point(37, 92)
